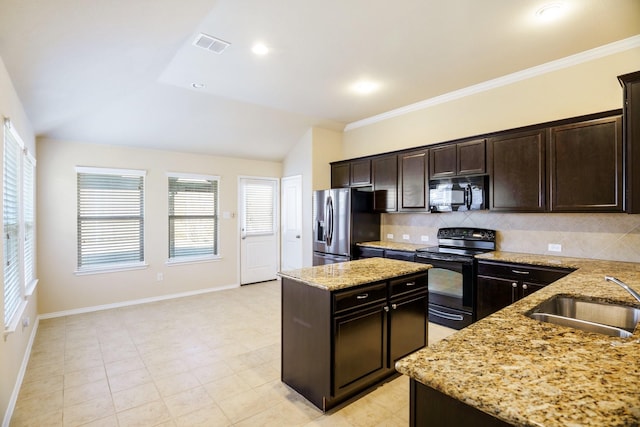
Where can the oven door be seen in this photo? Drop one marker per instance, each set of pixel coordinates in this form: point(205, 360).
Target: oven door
point(450, 292)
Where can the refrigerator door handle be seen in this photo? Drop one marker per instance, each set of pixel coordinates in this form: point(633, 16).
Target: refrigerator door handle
point(330, 220)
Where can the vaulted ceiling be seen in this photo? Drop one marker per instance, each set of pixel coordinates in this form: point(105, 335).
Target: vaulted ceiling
point(123, 71)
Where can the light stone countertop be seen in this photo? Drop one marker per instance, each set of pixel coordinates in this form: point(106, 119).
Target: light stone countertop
point(531, 373)
point(397, 246)
point(344, 275)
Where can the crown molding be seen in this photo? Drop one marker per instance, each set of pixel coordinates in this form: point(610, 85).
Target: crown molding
point(538, 70)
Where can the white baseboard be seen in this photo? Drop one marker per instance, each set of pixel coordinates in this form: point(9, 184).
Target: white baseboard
point(134, 302)
point(23, 368)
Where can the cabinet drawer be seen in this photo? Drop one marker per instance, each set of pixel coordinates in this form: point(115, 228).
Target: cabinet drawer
point(367, 252)
point(524, 272)
point(414, 283)
point(352, 298)
point(401, 255)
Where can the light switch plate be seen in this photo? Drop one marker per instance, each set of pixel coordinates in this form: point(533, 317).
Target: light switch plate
point(555, 247)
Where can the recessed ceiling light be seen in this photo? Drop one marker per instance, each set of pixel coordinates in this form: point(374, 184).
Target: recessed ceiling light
point(365, 87)
point(260, 49)
point(198, 85)
point(550, 11)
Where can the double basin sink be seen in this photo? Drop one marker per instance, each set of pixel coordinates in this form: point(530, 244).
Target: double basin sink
point(588, 315)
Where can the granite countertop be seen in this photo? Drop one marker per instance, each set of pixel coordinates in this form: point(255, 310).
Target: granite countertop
point(343, 275)
point(532, 373)
point(397, 246)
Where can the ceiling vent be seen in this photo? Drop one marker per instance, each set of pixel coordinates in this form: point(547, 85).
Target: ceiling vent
point(211, 43)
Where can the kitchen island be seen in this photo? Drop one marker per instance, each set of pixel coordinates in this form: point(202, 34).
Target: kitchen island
point(344, 325)
point(509, 369)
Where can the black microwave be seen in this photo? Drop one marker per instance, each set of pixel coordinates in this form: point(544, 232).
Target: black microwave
point(458, 194)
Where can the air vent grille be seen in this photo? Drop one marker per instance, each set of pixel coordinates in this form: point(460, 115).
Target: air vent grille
point(211, 43)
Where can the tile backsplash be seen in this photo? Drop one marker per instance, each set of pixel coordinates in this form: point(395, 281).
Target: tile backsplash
point(598, 236)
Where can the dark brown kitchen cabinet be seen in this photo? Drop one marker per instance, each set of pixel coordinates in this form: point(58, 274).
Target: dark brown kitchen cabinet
point(460, 159)
point(353, 173)
point(371, 252)
point(517, 168)
point(631, 129)
point(585, 166)
point(385, 183)
point(337, 344)
point(501, 284)
point(413, 181)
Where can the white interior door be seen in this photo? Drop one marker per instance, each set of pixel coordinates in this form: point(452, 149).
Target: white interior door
point(258, 229)
point(291, 224)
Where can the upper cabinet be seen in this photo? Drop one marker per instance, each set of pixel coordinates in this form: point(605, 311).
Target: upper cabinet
point(517, 165)
point(631, 125)
point(385, 183)
point(460, 159)
point(353, 173)
point(585, 166)
point(413, 188)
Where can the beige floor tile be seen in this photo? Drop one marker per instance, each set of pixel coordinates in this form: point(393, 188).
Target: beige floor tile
point(39, 406)
point(84, 376)
point(110, 421)
point(212, 372)
point(150, 414)
point(122, 366)
point(259, 375)
point(210, 415)
point(85, 392)
point(243, 405)
point(88, 411)
point(42, 372)
point(41, 387)
point(136, 396)
point(130, 379)
point(188, 401)
point(226, 387)
point(167, 368)
point(51, 419)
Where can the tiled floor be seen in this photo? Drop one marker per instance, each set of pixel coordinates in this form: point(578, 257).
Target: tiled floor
point(210, 360)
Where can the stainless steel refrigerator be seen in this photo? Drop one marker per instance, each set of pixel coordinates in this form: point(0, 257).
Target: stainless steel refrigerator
point(342, 217)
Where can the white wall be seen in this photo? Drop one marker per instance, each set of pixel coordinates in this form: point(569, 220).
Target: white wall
point(62, 290)
point(13, 349)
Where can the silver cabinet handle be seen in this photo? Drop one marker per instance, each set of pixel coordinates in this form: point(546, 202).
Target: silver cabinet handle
point(525, 287)
point(411, 283)
point(362, 296)
point(394, 306)
point(386, 308)
point(520, 272)
point(514, 285)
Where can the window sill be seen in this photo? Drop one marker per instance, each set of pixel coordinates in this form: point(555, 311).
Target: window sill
point(15, 320)
point(111, 269)
point(31, 288)
point(192, 260)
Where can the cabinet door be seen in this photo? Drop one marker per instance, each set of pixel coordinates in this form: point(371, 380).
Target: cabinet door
point(516, 165)
point(360, 172)
point(385, 183)
point(360, 349)
point(340, 175)
point(408, 326)
point(471, 157)
point(529, 288)
point(631, 126)
point(366, 252)
point(494, 294)
point(586, 166)
point(443, 161)
point(413, 181)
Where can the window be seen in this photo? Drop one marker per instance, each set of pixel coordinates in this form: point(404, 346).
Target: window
point(259, 207)
point(193, 217)
point(18, 225)
point(110, 219)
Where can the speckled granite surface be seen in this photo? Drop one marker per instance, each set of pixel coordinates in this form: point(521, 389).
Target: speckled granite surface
point(353, 273)
point(531, 373)
point(398, 246)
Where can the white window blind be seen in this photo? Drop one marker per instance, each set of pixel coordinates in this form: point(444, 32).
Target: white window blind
point(193, 216)
point(11, 214)
point(259, 207)
point(29, 217)
point(110, 218)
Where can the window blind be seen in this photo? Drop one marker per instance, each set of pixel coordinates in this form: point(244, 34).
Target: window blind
point(193, 216)
point(259, 207)
point(29, 217)
point(11, 215)
point(110, 218)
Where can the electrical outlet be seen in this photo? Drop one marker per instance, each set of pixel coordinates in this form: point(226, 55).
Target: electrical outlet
point(406, 237)
point(25, 322)
point(160, 277)
point(389, 236)
point(555, 247)
point(424, 238)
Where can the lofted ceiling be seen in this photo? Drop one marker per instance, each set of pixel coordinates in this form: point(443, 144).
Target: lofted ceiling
point(121, 71)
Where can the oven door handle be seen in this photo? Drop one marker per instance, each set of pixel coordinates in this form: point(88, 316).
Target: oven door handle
point(444, 315)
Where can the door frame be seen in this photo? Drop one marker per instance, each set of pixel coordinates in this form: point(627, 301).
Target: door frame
point(239, 221)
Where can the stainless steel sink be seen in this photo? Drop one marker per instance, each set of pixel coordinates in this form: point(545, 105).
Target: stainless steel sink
point(588, 315)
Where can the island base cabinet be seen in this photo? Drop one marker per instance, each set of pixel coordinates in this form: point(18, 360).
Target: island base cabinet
point(429, 407)
point(408, 330)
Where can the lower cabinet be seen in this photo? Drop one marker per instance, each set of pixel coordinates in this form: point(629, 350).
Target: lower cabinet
point(501, 284)
point(369, 252)
point(337, 344)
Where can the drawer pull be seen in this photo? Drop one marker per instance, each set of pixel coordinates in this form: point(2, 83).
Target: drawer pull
point(410, 284)
point(386, 308)
point(394, 306)
point(362, 296)
point(520, 272)
point(514, 285)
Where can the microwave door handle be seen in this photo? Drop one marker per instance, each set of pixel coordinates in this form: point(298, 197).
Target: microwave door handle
point(470, 197)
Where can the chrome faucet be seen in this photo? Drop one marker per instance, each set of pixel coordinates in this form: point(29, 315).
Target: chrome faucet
point(623, 285)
